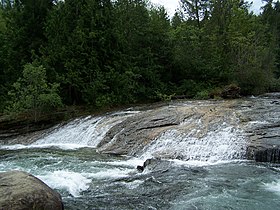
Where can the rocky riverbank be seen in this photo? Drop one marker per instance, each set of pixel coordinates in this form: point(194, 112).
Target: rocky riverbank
point(23, 131)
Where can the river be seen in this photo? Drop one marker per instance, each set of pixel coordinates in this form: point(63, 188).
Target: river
point(199, 166)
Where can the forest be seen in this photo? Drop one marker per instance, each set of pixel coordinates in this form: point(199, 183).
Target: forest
point(105, 53)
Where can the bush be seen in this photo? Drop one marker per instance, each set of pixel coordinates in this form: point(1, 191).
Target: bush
point(202, 95)
point(32, 94)
point(216, 93)
point(164, 97)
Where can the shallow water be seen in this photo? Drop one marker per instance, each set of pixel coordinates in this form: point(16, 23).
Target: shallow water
point(87, 180)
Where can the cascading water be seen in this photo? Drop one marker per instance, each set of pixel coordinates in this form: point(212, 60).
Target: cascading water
point(200, 139)
point(226, 143)
point(84, 132)
point(81, 132)
point(191, 172)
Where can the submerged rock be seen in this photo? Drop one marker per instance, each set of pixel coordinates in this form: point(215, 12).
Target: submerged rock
point(150, 163)
point(20, 190)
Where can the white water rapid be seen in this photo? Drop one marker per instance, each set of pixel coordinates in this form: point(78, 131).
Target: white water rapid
point(84, 132)
point(224, 143)
point(81, 132)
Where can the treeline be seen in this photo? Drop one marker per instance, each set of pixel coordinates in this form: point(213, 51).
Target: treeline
point(106, 53)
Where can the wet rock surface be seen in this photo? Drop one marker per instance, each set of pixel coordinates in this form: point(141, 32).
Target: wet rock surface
point(263, 128)
point(150, 163)
point(259, 118)
point(131, 136)
point(137, 131)
point(20, 190)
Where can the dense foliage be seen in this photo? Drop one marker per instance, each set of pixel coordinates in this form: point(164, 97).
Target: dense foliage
point(105, 53)
point(32, 93)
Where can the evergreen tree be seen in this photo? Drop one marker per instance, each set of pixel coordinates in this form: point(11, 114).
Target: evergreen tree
point(25, 33)
point(271, 18)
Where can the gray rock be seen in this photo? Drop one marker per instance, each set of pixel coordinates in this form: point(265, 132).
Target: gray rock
point(264, 131)
point(133, 134)
point(149, 163)
point(136, 134)
point(258, 117)
point(20, 190)
point(271, 155)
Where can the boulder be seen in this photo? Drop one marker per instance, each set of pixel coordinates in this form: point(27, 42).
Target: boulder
point(135, 135)
point(271, 155)
point(152, 164)
point(20, 190)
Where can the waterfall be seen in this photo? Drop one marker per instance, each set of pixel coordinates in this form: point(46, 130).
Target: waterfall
point(225, 143)
point(205, 138)
point(82, 132)
point(200, 136)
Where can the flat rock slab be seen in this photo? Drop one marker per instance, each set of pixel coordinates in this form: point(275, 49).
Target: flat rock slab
point(263, 128)
point(135, 133)
point(20, 190)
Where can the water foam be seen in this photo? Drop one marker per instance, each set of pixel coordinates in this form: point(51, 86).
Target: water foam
point(82, 132)
point(134, 184)
point(225, 143)
point(63, 146)
point(132, 162)
point(73, 182)
point(112, 173)
point(273, 187)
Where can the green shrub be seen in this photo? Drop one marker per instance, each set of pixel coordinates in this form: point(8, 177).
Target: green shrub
point(32, 94)
point(163, 96)
point(202, 95)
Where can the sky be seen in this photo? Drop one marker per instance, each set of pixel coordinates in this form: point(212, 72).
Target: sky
point(171, 5)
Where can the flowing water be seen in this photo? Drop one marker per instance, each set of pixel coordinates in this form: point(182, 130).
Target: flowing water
point(195, 171)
